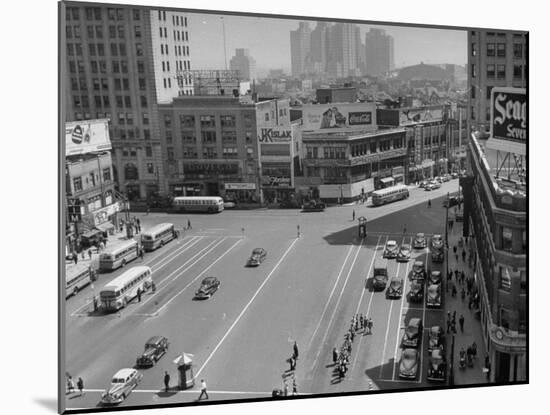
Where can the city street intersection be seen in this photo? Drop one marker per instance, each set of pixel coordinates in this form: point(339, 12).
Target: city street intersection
point(307, 290)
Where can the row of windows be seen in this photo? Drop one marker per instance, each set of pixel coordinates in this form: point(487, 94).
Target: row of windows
point(179, 20)
point(133, 283)
point(181, 51)
point(101, 66)
point(94, 13)
point(90, 179)
point(334, 152)
point(209, 121)
point(125, 252)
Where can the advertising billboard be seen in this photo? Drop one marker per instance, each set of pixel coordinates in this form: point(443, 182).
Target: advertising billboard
point(508, 120)
point(274, 135)
point(87, 136)
point(359, 116)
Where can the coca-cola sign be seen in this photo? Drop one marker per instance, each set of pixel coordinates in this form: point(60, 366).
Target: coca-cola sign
point(357, 118)
point(509, 114)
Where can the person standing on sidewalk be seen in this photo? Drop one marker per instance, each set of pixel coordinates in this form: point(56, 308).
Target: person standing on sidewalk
point(166, 381)
point(203, 390)
point(80, 385)
point(295, 349)
point(189, 224)
point(461, 322)
point(294, 386)
point(353, 215)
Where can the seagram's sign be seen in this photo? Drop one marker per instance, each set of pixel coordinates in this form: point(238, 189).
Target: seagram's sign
point(509, 114)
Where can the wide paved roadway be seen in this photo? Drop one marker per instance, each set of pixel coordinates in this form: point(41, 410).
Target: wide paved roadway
point(306, 291)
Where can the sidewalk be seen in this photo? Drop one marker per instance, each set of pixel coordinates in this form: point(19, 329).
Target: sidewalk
point(114, 240)
point(472, 325)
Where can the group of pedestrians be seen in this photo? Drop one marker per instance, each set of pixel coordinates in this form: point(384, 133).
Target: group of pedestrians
point(451, 322)
point(340, 359)
point(292, 360)
point(70, 385)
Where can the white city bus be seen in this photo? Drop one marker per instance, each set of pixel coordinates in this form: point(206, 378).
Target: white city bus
point(118, 256)
point(124, 288)
point(390, 194)
point(158, 235)
point(210, 204)
point(76, 277)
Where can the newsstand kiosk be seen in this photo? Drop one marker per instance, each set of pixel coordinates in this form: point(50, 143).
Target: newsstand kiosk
point(184, 363)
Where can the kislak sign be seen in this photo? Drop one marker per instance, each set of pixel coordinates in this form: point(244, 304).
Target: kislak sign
point(509, 114)
point(274, 135)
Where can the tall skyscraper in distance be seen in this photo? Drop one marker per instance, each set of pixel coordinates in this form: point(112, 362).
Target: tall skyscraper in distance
point(319, 45)
point(342, 50)
point(379, 52)
point(300, 46)
point(244, 63)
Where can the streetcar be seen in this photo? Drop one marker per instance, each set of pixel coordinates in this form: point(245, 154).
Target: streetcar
point(210, 204)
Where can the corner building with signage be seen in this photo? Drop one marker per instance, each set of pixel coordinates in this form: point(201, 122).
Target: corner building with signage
point(345, 157)
point(209, 147)
point(495, 214)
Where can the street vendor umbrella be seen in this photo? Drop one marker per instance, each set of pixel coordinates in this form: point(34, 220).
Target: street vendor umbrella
point(184, 359)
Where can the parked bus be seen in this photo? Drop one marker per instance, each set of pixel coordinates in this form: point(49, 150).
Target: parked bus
point(158, 235)
point(125, 287)
point(210, 204)
point(77, 277)
point(390, 194)
point(115, 257)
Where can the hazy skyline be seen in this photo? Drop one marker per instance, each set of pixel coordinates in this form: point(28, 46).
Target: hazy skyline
point(269, 42)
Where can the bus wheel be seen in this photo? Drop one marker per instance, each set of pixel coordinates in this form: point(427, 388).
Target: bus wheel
point(123, 263)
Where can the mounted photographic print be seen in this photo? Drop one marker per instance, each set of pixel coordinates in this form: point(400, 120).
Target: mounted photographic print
point(264, 208)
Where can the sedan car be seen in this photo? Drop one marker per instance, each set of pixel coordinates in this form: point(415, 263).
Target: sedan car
point(155, 348)
point(313, 206)
point(435, 338)
point(434, 278)
point(423, 183)
point(408, 365)
point(435, 184)
point(257, 257)
point(437, 241)
point(413, 333)
point(433, 296)
point(429, 187)
point(123, 382)
point(379, 281)
point(391, 249)
point(418, 271)
point(209, 285)
point(416, 293)
point(419, 241)
point(437, 366)
point(395, 289)
point(404, 253)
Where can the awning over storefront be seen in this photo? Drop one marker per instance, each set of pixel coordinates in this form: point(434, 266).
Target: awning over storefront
point(387, 180)
point(105, 226)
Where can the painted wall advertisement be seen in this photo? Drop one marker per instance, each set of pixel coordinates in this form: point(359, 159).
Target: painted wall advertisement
point(274, 135)
point(420, 114)
point(86, 137)
point(360, 116)
point(509, 114)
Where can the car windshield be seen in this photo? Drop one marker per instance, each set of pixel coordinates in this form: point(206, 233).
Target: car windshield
point(420, 236)
point(412, 328)
point(391, 244)
point(395, 283)
point(409, 354)
point(208, 281)
point(118, 380)
point(257, 251)
point(418, 266)
point(433, 290)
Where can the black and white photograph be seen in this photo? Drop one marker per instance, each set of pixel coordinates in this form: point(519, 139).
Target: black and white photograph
point(285, 208)
point(276, 207)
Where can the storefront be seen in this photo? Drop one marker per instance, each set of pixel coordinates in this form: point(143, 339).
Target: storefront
point(240, 192)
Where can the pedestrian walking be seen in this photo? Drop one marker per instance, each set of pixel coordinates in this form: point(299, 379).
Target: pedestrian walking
point(454, 249)
point(429, 203)
point(451, 224)
point(80, 385)
point(448, 326)
point(295, 348)
point(453, 292)
point(166, 381)
point(95, 303)
point(334, 355)
point(139, 295)
point(454, 315)
point(449, 315)
point(294, 387)
point(203, 390)
point(70, 385)
point(369, 325)
point(298, 230)
point(141, 253)
point(90, 254)
point(357, 325)
point(463, 255)
point(456, 257)
point(404, 229)
point(461, 322)
point(138, 224)
point(453, 326)
point(189, 224)
point(353, 215)
point(351, 335)
point(361, 321)
point(75, 257)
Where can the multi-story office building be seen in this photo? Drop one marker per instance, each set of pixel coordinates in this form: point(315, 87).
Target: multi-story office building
point(210, 146)
point(319, 45)
point(495, 213)
point(112, 71)
point(171, 54)
point(379, 52)
point(245, 64)
point(342, 59)
point(495, 58)
point(300, 46)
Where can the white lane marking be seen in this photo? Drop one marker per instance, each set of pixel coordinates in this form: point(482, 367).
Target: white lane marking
point(395, 364)
point(244, 309)
point(387, 330)
point(330, 297)
point(197, 277)
point(361, 300)
point(170, 257)
point(337, 303)
point(159, 254)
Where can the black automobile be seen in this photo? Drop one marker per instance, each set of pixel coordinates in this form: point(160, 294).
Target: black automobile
point(436, 337)
point(416, 292)
point(438, 255)
point(413, 333)
point(437, 366)
point(418, 271)
point(453, 201)
point(155, 348)
point(257, 257)
point(313, 206)
point(408, 365)
point(379, 281)
point(434, 277)
point(433, 296)
point(209, 285)
point(395, 289)
point(419, 241)
point(404, 253)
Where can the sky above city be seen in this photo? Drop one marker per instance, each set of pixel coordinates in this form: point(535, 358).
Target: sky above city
point(268, 41)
